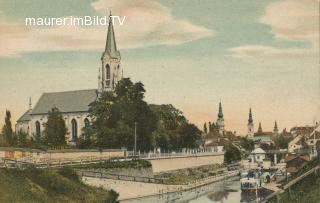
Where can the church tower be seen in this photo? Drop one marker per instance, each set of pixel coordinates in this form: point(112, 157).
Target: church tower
point(220, 120)
point(275, 129)
point(111, 72)
point(250, 125)
point(260, 129)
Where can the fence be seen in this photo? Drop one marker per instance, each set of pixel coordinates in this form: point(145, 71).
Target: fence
point(100, 174)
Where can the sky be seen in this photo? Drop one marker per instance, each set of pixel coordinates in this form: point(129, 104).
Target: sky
point(262, 54)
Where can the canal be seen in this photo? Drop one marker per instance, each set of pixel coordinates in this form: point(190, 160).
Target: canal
point(225, 191)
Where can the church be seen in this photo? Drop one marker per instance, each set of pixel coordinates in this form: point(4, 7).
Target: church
point(74, 105)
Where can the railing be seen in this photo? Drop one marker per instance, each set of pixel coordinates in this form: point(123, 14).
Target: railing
point(179, 154)
point(101, 174)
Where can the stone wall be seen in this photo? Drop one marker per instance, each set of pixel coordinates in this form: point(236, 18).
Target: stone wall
point(175, 163)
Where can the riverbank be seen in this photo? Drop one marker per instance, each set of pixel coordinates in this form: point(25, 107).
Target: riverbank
point(131, 189)
point(308, 190)
point(48, 185)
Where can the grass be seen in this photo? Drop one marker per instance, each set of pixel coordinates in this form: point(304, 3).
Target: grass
point(136, 164)
point(304, 169)
point(49, 185)
point(308, 190)
point(184, 176)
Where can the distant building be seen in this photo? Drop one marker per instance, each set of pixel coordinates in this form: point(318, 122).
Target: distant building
point(301, 130)
point(262, 137)
point(250, 126)
point(296, 162)
point(220, 120)
point(275, 129)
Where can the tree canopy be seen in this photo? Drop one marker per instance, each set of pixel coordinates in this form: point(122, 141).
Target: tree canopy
point(7, 132)
point(114, 116)
point(55, 129)
point(247, 144)
point(232, 154)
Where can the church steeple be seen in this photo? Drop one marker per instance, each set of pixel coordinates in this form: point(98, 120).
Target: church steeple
point(220, 114)
point(111, 71)
point(30, 104)
point(250, 120)
point(220, 120)
point(275, 128)
point(260, 128)
point(111, 46)
point(250, 125)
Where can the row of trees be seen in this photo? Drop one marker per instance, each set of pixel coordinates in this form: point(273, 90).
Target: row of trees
point(53, 136)
point(210, 127)
point(8, 137)
point(116, 116)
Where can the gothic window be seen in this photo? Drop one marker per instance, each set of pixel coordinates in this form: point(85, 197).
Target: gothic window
point(38, 129)
point(74, 128)
point(107, 74)
point(86, 123)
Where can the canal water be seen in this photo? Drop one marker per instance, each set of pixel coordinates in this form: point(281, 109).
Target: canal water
point(226, 191)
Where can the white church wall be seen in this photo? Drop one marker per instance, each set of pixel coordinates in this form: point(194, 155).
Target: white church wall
point(68, 117)
point(22, 127)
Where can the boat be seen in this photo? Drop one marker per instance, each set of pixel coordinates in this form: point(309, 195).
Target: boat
point(252, 182)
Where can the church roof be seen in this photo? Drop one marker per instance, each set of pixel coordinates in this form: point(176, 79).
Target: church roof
point(71, 101)
point(25, 117)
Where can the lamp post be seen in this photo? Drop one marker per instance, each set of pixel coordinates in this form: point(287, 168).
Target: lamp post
point(135, 138)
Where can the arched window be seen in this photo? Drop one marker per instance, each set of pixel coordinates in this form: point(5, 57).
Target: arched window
point(74, 127)
point(38, 129)
point(86, 122)
point(108, 74)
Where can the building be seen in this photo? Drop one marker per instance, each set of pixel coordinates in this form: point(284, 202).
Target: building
point(220, 120)
point(74, 105)
point(295, 162)
point(275, 129)
point(250, 126)
point(258, 155)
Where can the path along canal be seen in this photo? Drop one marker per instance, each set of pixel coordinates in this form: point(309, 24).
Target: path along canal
point(227, 191)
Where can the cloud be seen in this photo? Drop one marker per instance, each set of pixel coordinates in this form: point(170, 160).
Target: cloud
point(256, 51)
point(291, 20)
point(147, 23)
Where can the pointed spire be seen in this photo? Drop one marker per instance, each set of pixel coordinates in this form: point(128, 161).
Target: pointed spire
point(260, 128)
point(250, 120)
point(111, 46)
point(30, 103)
point(275, 129)
point(220, 114)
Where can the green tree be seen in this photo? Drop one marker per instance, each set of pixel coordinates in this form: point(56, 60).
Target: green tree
point(232, 154)
point(7, 131)
point(173, 130)
point(21, 138)
point(247, 144)
point(281, 142)
point(205, 129)
point(55, 129)
point(115, 113)
point(191, 136)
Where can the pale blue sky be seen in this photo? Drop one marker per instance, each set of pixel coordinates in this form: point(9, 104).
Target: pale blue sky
point(278, 77)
